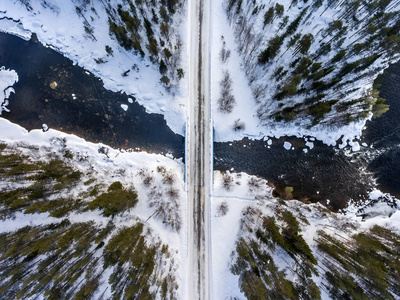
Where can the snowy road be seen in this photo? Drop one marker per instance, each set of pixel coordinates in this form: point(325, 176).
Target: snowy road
point(199, 154)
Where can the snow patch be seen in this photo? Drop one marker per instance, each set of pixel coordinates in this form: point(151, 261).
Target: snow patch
point(7, 79)
point(310, 145)
point(14, 28)
point(287, 145)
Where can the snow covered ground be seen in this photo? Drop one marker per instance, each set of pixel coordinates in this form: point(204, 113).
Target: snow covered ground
point(245, 191)
point(245, 109)
point(7, 79)
point(225, 229)
point(121, 166)
point(69, 38)
point(58, 25)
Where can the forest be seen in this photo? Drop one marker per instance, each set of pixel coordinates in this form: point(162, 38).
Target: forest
point(315, 61)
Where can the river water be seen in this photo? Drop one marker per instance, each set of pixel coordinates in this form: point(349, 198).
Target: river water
point(95, 114)
point(325, 174)
point(384, 135)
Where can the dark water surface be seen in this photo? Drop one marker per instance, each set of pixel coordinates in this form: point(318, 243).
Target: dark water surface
point(327, 172)
point(95, 114)
point(324, 173)
point(384, 135)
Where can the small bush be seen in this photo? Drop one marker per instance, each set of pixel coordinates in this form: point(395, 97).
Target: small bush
point(222, 209)
point(116, 200)
point(227, 181)
point(239, 125)
point(319, 110)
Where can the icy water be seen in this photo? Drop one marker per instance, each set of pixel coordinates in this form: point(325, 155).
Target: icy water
point(384, 135)
point(322, 174)
point(327, 174)
point(95, 114)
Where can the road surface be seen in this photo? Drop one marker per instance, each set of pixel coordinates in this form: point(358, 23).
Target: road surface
point(199, 154)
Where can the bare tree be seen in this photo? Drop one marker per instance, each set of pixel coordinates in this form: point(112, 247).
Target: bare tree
point(226, 101)
point(239, 125)
point(227, 181)
point(254, 183)
point(258, 92)
point(146, 177)
point(222, 209)
point(224, 54)
point(172, 193)
point(168, 177)
point(167, 209)
point(27, 4)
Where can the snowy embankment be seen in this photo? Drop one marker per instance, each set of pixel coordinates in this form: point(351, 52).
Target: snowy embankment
point(7, 80)
point(241, 200)
point(104, 161)
point(61, 27)
point(232, 190)
point(108, 165)
point(245, 36)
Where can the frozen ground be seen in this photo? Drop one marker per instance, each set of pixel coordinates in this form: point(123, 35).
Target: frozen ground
point(121, 166)
point(7, 79)
point(58, 26)
point(239, 194)
point(245, 108)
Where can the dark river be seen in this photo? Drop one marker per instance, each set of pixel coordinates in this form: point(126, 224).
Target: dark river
point(324, 173)
point(327, 172)
point(384, 135)
point(321, 174)
point(95, 114)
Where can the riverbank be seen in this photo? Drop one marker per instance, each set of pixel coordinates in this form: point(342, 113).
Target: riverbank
point(78, 103)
